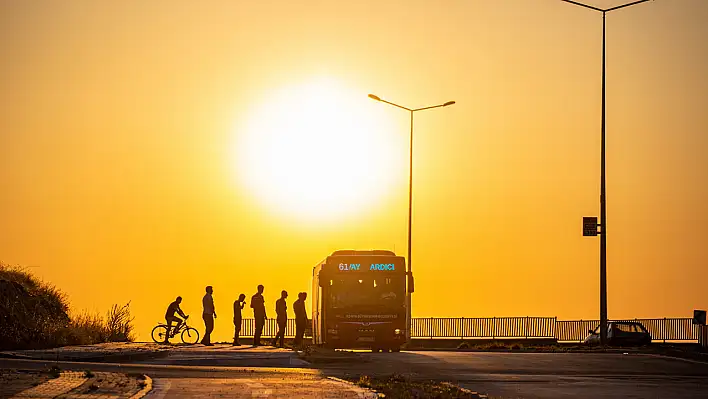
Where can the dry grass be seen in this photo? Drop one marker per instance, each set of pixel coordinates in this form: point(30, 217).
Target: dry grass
point(87, 328)
point(119, 323)
point(398, 386)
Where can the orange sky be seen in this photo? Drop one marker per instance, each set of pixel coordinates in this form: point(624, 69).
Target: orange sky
point(123, 179)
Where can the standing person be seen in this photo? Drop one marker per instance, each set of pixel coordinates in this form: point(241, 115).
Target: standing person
point(281, 311)
point(259, 314)
point(238, 305)
point(300, 317)
point(209, 314)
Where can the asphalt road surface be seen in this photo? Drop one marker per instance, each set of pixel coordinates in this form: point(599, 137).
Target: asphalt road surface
point(267, 372)
point(549, 375)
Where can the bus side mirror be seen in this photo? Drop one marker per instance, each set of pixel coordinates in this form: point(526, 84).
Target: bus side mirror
point(323, 281)
point(411, 284)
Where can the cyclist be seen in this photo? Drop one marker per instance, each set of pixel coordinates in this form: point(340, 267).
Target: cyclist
point(170, 317)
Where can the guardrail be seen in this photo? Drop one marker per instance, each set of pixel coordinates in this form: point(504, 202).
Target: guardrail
point(270, 328)
point(664, 329)
point(479, 327)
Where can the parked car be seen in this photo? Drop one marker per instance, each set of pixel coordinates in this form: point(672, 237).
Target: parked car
point(629, 333)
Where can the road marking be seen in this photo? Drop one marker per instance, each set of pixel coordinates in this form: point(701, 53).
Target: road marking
point(160, 387)
point(66, 381)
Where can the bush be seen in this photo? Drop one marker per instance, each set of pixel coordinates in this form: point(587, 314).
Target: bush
point(34, 315)
point(32, 312)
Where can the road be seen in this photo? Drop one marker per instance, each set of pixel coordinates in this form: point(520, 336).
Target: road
point(266, 372)
point(548, 375)
point(170, 381)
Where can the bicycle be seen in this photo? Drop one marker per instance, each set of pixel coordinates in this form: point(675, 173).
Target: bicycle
point(160, 331)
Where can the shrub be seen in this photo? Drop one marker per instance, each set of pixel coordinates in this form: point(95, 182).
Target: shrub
point(364, 381)
point(34, 314)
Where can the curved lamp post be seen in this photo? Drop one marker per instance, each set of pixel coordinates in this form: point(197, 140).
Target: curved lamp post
point(410, 203)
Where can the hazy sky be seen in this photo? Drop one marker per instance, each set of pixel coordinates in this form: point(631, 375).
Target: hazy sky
point(137, 160)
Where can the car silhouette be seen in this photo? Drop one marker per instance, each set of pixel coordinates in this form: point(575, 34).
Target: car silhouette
point(621, 333)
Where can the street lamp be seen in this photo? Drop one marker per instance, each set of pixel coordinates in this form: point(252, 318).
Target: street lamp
point(409, 273)
point(603, 198)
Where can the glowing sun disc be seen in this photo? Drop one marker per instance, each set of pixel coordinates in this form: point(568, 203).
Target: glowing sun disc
point(319, 150)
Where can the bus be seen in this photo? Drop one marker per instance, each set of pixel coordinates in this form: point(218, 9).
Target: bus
point(359, 301)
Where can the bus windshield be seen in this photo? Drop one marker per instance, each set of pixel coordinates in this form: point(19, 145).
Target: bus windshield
point(367, 291)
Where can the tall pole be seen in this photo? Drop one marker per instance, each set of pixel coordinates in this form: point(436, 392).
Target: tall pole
point(409, 273)
point(409, 301)
point(603, 197)
point(410, 196)
point(603, 208)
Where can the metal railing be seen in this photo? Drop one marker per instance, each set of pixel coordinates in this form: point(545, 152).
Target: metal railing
point(574, 330)
point(270, 328)
point(480, 327)
point(664, 329)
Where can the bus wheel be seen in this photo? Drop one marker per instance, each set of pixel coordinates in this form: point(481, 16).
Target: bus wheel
point(396, 349)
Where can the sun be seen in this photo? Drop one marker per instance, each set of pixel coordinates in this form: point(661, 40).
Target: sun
point(320, 150)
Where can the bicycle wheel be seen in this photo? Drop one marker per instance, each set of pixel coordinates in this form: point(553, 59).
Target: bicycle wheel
point(190, 335)
point(159, 333)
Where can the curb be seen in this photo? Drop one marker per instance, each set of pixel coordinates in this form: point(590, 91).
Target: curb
point(465, 390)
point(109, 358)
point(683, 359)
point(146, 389)
point(13, 356)
point(118, 358)
point(600, 352)
point(357, 388)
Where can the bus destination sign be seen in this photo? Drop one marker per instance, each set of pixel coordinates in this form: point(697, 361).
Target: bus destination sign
point(371, 266)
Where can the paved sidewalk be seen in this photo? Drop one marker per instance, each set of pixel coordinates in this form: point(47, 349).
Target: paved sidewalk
point(12, 381)
point(84, 385)
point(256, 387)
point(231, 356)
point(54, 387)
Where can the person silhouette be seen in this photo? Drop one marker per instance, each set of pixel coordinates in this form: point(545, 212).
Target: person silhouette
point(208, 314)
point(259, 315)
point(281, 311)
point(238, 305)
point(170, 317)
point(300, 317)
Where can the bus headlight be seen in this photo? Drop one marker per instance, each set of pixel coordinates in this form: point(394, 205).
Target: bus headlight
point(397, 331)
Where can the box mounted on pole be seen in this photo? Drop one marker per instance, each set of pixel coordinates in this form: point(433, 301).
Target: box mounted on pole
point(590, 226)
